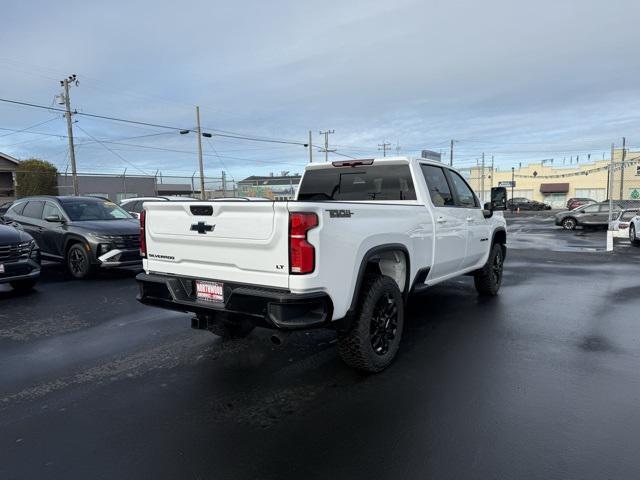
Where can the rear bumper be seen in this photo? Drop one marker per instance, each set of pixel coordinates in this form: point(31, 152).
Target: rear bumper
point(270, 307)
point(20, 270)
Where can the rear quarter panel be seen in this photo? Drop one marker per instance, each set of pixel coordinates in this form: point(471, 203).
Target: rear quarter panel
point(341, 243)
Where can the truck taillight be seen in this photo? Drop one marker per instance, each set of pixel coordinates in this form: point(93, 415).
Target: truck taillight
point(143, 239)
point(302, 255)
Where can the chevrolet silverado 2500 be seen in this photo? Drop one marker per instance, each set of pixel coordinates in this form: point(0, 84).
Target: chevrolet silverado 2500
point(360, 237)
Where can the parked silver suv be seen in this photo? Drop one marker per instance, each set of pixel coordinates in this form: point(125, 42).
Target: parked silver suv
point(594, 215)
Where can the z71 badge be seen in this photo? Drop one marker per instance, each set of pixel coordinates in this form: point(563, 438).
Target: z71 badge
point(340, 213)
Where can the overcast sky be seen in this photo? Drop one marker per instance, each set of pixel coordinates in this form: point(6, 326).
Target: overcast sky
point(520, 80)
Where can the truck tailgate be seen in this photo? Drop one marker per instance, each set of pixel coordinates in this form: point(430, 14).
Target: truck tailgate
point(244, 242)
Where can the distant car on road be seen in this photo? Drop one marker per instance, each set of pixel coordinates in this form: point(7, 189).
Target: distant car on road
point(135, 205)
point(593, 215)
point(82, 232)
point(576, 202)
point(19, 258)
point(526, 204)
point(621, 223)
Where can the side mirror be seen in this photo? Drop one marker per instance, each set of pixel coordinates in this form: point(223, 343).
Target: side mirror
point(53, 218)
point(487, 210)
point(498, 198)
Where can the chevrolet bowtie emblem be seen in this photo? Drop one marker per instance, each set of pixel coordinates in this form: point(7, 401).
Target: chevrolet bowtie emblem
point(202, 227)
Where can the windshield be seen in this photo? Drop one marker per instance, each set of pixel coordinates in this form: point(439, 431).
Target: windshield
point(86, 210)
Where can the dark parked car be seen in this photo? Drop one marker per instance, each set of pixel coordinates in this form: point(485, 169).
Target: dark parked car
point(576, 202)
point(83, 232)
point(593, 215)
point(19, 258)
point(526, 204)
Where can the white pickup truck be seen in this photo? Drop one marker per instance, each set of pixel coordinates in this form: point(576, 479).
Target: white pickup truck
point(361, 236)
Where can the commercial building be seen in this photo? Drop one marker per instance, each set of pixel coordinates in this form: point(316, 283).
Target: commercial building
point(114, 187)
point(281, 187)
point(8, 167)
point(554, 184)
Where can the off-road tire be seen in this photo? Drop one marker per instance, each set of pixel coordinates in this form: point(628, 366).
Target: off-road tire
point(23, 286)
point(223, 326)
point(78, 262)
point(569, 223)
point(356, 346)
point(489, 278)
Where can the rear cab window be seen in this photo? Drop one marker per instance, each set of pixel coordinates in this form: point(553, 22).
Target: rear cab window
point(360, 183)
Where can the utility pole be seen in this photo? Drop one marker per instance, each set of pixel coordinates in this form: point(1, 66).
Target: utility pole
point(513, 182)
point(224, 183)
point(326, 144)
point(482, 179)
point(451, 155)
point(384, 146)
point(67, 106)
point(398, 148)
point(491, 171)
point(199, 132)
point(310, 148)
point(624, 152)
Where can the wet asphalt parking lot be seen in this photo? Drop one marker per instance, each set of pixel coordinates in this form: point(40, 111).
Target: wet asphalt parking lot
point(541, 382)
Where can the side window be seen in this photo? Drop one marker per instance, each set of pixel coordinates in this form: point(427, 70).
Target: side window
point(465, 195)
point(592, 209)
point(33, 209)
point(437, 185)
point(50, 210)
point(605, 208)
point(17, 209)
point(132, 206)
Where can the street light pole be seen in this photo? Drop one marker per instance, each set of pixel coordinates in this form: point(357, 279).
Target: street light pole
point(513, 182)
point(610, 188)
point(199, 132)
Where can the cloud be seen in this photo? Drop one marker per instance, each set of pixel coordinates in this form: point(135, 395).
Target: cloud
point(503, 75)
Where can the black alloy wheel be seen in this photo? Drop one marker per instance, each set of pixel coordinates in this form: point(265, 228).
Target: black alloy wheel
point(384, 324)
point(78, 262)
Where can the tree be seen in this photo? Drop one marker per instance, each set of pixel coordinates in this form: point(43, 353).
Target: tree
point(36, 177)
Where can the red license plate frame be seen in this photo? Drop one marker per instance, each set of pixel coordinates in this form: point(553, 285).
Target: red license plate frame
point(209, 291)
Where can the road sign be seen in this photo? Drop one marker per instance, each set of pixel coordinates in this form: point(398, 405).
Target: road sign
point(507, 184)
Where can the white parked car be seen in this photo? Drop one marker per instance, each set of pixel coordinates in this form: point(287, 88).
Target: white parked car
point(360, 238)
point(622, 223)
point(634, 230)
point(135, 205)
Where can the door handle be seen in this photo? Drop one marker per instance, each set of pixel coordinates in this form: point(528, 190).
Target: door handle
point(441, 220)
point(470, 219)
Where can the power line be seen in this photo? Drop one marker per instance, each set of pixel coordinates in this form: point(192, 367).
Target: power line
point(218, 133)
point(27, 128)
point(112, 151)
